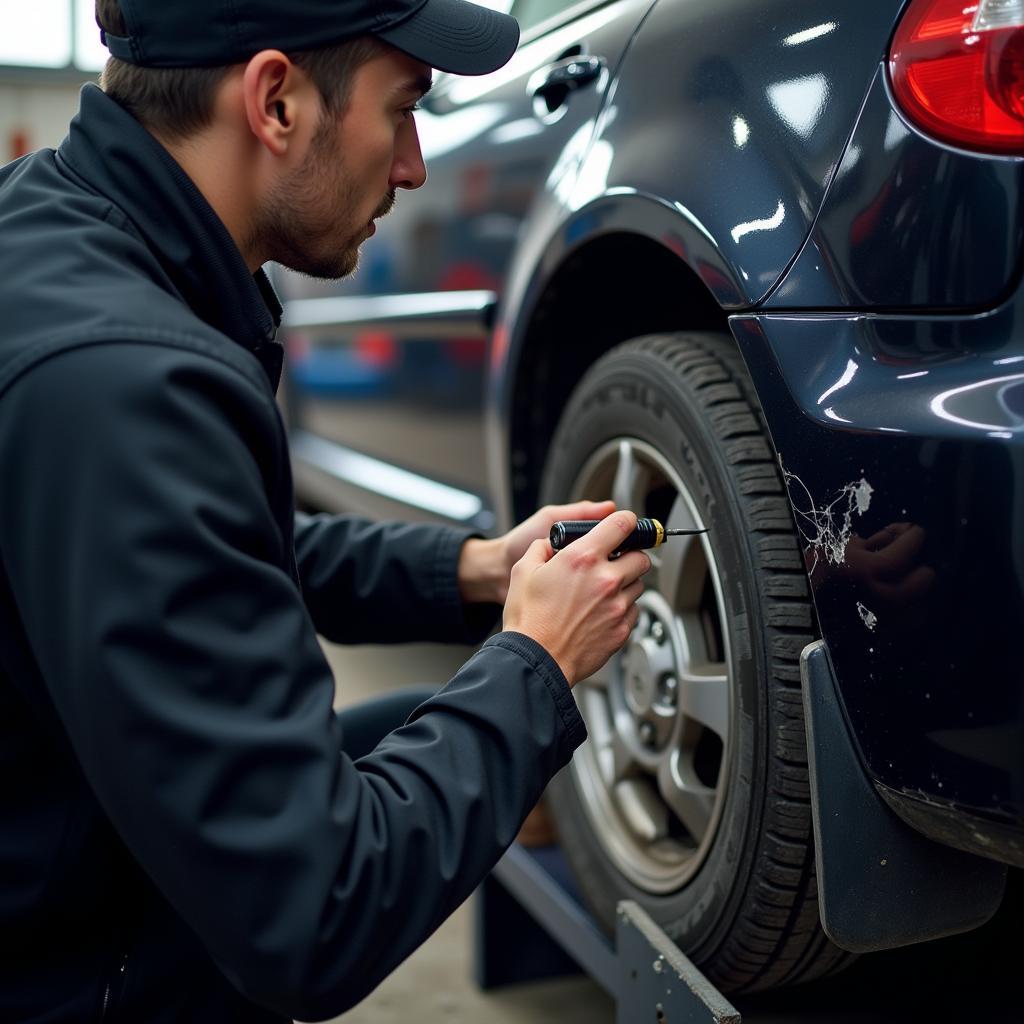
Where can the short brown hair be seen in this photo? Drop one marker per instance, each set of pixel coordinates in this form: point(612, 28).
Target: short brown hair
point(178, 102)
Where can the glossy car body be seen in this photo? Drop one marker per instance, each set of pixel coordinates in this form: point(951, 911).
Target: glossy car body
point(738, 166)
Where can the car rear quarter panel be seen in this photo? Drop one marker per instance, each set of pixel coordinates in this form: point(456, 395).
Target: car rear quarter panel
point(886, 424)
point(736, 114)
point(717, 140)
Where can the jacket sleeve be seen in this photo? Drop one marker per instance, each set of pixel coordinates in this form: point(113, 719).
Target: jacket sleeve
point(147, 568)
point(369, 582)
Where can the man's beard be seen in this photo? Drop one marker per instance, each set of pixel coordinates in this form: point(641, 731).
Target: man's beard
point(298, 226)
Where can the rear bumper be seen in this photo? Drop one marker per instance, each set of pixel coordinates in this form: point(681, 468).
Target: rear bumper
point(902, 439)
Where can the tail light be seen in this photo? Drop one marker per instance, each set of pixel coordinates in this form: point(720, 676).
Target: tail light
point(957, 71)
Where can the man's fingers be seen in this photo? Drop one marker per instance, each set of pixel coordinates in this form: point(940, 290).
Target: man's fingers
point(632, 565)
point(580, 510)
point(909, 589)
point(633, 590)
point(604, 538)
point(898, 556)
point(886, 535)
point(536, 554)
point(876, 540)
point(592, 509)
point(632, 616)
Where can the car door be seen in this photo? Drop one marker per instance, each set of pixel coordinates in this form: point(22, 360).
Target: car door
point(386, 379)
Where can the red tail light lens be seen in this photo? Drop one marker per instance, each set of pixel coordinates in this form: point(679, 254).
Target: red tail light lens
point(957, 71)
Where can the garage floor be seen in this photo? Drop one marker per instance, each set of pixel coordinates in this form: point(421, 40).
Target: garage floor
point(961, 980)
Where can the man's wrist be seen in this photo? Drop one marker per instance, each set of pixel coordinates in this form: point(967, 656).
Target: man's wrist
point(482, 573)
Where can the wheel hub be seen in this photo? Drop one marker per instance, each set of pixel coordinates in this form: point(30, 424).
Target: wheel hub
point(644, 664)
point(649, 672)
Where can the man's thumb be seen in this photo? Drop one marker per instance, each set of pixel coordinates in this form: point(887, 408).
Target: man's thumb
point(536, 554)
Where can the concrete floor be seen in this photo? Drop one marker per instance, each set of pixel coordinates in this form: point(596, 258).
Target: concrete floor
point(961, 980)
point(435, 985)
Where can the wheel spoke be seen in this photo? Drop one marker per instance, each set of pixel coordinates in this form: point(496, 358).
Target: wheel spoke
point(692, 803)
point(670, 558)
point(596, 713)
point(705, 698)
point(628, 476)
point(614, 759)
point(612, 756)
point(645, 814)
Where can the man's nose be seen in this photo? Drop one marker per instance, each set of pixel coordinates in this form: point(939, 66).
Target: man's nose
point(408, 169)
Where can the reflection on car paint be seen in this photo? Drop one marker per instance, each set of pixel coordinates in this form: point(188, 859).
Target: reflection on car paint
point(809, 34)
point(763, 224)
point(800, 102)
point(994, 405)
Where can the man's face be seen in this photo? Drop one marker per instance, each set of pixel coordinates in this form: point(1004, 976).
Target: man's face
point(320, 213)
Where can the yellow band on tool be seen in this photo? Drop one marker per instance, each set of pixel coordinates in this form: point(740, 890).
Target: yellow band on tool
point(661, 532)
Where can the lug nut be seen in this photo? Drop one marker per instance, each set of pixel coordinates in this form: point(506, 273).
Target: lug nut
point(647, 734)
point(658, 631)
point(669, 689)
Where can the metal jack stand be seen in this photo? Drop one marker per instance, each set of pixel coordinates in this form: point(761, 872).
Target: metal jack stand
point(530, 925)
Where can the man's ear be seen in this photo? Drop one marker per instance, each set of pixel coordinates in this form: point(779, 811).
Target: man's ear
point(274, 92)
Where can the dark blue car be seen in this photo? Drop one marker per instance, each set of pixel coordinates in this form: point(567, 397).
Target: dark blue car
point(754, 266)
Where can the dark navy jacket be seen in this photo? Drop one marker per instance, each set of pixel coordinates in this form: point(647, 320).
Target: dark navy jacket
point(179, 837)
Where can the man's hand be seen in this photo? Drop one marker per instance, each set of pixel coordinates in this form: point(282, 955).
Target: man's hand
point(485, 566)
point(887, 566)
point(577, 604)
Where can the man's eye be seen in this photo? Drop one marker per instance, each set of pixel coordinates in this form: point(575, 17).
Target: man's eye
point(409, 111)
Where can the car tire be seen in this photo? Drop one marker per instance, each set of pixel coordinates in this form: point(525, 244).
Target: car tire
point(710, 833)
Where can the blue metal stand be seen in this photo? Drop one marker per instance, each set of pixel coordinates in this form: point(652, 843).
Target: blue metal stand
point(531, 924)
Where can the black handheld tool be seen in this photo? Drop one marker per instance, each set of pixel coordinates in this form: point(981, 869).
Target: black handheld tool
point(649, 533)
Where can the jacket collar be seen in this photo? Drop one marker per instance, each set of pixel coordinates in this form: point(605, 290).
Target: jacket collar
point(117, 157)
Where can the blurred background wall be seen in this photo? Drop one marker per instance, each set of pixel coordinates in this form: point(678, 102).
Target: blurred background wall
point(34, 113)
point(48, 50)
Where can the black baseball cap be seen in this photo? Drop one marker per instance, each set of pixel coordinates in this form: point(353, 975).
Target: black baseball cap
point(449, 35)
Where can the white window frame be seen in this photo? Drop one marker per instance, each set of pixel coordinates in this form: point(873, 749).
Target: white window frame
point(49, 74)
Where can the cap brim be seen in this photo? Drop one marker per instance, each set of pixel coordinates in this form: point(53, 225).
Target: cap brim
point(456, 36)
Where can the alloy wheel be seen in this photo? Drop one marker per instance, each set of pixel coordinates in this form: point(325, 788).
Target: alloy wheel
point(654, 773)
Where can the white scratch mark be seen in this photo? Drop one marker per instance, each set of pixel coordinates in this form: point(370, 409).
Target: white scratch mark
point(868, 617)
point(827, 529)
point(862, 492)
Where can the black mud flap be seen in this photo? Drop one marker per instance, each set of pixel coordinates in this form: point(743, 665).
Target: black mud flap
point(880, 883)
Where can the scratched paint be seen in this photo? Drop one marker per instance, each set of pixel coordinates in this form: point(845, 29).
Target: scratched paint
point(867, 616)
point(827, 528)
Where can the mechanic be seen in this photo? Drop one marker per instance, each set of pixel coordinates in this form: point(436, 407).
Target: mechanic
point(186, 836)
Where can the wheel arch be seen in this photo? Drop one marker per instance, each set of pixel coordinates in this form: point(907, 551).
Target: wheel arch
point(614, 286)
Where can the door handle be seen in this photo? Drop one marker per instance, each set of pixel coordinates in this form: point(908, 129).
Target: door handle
point(554, 83)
